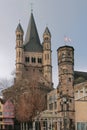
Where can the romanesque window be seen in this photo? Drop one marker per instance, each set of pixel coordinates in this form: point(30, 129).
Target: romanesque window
point(33, 59)
point(19, 43)
point(70, 79)
point(39, 60)
point(55, 105)
point(18, 36)
point(63, 55)
point(27, 59)
point(68, 53)
point(51, 106)
point(46, 56)
point(19, 53)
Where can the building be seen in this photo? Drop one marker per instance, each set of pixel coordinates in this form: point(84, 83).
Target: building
point(6, 115)
point(34, 66)
point(32, 57)
point(67, 105)
point(1, 113)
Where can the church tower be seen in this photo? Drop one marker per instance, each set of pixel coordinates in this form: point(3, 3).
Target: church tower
point(66, 107)
point(19, 52)
point(33, 59)
point(47, 60)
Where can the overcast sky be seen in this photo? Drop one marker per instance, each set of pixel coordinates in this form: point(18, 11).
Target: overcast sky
point(63, 17)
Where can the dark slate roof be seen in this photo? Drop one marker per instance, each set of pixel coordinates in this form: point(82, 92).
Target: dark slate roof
point(19, 28)
point(32, 41)
point(79, 77)
point(47, 31)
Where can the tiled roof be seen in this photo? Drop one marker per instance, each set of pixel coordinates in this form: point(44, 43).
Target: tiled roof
point(32, 41)
point(79, 77)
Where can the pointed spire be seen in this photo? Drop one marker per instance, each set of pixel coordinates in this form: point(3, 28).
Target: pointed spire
point(32, 41)
point(47, 32)
point(19, 28)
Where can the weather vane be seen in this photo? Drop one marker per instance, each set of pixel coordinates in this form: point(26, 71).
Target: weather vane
point(67, 39)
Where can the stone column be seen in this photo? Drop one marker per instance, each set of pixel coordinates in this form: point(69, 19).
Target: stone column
point(26, 126)
point(78, 93)
point(21, 125)
point(51, 124)
point(48, 124)
point(34, 125)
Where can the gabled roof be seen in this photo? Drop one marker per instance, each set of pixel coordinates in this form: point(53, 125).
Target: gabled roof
point(32, 41)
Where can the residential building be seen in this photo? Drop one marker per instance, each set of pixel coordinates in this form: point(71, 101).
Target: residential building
point(6, 115)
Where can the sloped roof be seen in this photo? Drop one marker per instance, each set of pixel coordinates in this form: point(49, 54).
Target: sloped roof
point(47, 31)
point(32, 41)
point(19, 28)
point(79, 77)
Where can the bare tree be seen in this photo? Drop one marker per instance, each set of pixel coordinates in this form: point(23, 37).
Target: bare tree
point(29, 104)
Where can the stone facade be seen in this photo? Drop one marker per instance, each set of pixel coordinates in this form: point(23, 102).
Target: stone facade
point(31, 55)
point(34, 70)
point(66, 106)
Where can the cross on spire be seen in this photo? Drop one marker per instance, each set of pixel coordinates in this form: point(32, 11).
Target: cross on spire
point(31, 7)
point(19, 20)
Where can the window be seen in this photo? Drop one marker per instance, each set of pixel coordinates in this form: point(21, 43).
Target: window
point(39, 60)
point(0, 119)
point(68, 53)
point(51, 106)
point(46, 56)
point(55, 105)
point(0, 113)
point(33, 59)
point(46, 39)
point(19, 43)
point(69, 79)
point(19, 53)
point(27, 59)
point(81, 126)
point(63, 55)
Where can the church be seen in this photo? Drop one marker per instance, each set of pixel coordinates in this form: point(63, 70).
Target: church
point(66, 106)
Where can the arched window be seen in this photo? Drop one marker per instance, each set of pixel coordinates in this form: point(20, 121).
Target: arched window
point(33, 59)
point(39, 60)
point(27, 59)
point(19, 53)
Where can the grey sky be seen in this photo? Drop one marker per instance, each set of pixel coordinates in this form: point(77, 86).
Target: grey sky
point(63, 17)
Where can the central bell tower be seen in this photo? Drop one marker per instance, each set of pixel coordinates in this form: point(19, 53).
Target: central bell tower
point(66, 108)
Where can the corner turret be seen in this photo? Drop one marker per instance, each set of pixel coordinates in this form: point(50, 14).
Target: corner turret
point(19, 52)
point(47, 58)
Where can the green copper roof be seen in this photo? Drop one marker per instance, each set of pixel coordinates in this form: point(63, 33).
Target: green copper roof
point(19, 28)
point(32, 41)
